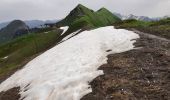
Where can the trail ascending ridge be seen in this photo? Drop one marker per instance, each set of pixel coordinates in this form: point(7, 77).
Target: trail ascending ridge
point(63, 72)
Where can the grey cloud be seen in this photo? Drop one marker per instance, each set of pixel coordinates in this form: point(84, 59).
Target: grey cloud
point(57, 9)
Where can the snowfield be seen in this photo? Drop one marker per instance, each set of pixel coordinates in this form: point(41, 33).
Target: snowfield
point(63, 72)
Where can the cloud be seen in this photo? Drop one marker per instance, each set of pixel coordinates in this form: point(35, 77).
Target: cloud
point(57, 9)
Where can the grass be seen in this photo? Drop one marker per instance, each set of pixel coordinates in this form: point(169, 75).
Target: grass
point(160, 28)
point(22, 48)
point(82, 16)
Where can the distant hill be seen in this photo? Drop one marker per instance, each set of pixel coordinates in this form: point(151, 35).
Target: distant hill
point(4, 24)
point(131, 16)
point(12, 30)
point(141, 18)
point(82, 16)
point(38, 23)
point(31, 23)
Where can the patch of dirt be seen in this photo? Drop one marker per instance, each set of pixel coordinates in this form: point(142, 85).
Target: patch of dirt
point(11, 94)
point(140, 74)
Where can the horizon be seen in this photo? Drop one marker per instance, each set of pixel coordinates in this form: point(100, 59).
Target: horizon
point(66, 11)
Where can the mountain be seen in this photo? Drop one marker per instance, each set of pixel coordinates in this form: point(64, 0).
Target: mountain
point(12, 30)
point(141, 18)
point(38, 23)
point(31, 23)
point(167, 16)
point(34, 23)
point(82, 16)
point(131, 16)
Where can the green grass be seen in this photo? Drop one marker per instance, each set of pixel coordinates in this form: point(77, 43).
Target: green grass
point(132, 23)
point(160, 28)
point(82, 16)
point(106, 17)
point(22, 48)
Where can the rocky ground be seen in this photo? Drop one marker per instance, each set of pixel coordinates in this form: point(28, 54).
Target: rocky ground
point(139, 74)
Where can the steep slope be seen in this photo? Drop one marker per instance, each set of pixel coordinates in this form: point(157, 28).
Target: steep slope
point(12, 30)
point(15, 53)
point(75, 14)
point(38, 23)
point(82, 16)
point(106, 17)
point(63, 72)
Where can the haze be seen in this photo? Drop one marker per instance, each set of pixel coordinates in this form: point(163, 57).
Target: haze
point(58, 9)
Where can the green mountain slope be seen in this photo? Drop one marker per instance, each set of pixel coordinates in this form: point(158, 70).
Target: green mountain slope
point(82, 16)
point(19, 51)
point(106, 17)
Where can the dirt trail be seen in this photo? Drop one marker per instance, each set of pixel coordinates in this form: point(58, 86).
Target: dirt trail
point(140, 74)
point(150, 35)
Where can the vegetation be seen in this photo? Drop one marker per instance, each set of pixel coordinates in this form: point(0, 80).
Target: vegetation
point(160, 28)
point(82, 16)
point(15, 52)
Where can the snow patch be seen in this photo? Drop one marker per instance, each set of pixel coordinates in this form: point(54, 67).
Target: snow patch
point(47, 32)
point(5, 57)
point(63, 72)
point(70, 35)
point(65, 28)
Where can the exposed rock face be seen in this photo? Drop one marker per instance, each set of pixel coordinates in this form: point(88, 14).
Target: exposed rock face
point(12, 30)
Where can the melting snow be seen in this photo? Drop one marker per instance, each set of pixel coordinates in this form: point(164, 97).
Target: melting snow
point(65, 28)
point(5, 57)
point(63, 72)
point(70, 35)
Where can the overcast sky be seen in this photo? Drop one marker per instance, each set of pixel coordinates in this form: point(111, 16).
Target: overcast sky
point(57, 9)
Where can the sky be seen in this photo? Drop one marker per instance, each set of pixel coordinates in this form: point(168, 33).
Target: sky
point(58, 9)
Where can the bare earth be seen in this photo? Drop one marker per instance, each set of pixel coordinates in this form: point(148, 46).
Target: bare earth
point(140, 74)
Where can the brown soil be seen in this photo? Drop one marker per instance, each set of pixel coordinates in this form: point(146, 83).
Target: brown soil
point(140, 74)
point(11, 94)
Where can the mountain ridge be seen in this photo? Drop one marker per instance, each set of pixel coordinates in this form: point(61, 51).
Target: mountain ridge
point(82, 16)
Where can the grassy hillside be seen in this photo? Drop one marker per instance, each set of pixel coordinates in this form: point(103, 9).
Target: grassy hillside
point(160, 28)
point(106, 17)
point(14, 53)
point(82, 16)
